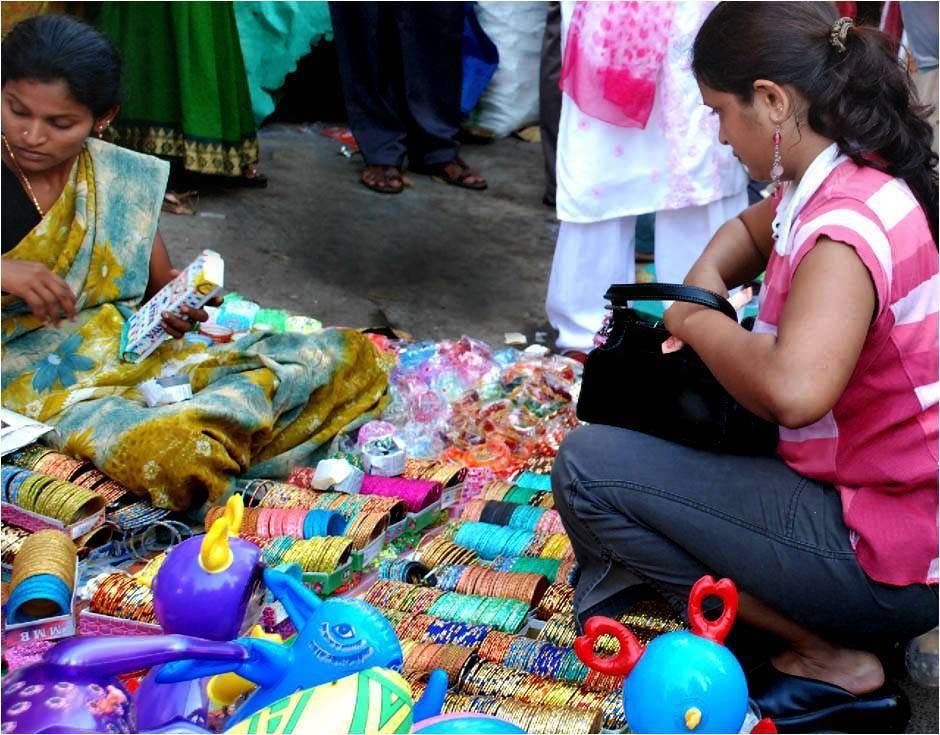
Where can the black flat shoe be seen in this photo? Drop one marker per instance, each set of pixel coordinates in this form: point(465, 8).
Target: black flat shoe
point(798, 704)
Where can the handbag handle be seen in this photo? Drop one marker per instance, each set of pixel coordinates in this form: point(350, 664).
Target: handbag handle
point(620, 293)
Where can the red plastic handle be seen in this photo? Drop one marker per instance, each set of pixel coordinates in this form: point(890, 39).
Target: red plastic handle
point(716, 630)
point(619, 665)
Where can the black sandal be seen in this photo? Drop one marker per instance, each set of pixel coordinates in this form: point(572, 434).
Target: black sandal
point(387, 175)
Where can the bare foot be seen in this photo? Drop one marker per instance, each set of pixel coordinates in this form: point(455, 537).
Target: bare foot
point(858, 672)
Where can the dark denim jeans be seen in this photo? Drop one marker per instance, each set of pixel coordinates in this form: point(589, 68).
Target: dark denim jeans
point(643, 510)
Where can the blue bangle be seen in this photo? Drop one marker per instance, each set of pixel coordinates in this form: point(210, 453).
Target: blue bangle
point(40, 587)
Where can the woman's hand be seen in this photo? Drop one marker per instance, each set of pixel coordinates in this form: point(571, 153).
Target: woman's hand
point(46, 294)
point(177, 326)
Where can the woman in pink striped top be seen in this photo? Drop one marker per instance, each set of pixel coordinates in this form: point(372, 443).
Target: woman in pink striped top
point(833, 543)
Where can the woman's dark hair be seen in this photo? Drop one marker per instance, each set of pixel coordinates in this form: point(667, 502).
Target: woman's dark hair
point(48, 48)
point(862, 98)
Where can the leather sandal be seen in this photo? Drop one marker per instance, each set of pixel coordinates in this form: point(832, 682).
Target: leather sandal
point(798, 704)
point(383, 179)
point(458, 178)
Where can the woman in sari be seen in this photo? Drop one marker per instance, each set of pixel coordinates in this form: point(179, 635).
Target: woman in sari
point(81, 252)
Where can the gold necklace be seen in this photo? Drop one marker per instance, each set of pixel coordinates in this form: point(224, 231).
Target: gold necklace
point(22, 177)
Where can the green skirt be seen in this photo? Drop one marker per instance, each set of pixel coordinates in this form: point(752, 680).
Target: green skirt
point(185, 89)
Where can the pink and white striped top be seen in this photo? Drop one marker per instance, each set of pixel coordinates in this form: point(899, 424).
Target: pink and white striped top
point(878, 445)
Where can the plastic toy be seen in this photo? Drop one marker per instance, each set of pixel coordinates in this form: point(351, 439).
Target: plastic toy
point(335, 638)
point(680, 682)
point(74, 687)
point(371, 701)
point(210, 586)
point(465, 723)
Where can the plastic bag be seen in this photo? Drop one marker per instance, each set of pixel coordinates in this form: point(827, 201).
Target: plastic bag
point(511, 101)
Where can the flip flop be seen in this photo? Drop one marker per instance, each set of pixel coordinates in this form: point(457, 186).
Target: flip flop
point(387, 175)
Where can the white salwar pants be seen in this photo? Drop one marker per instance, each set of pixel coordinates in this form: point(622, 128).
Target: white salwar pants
point(591, 256)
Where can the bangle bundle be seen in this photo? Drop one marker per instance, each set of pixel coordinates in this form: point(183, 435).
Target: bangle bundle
point(554, 570)
point(135, 516)
point(440, 550)
point(423, 658)
point(558, 598)
point(77, 471)
point(120, 595)
point(403, 570)
point(296, 522)
point(427, 629)
point(490, 541)
point(488, 679)
point(49, 496)
point(416, 494)
point(318, 554)
point(529, 718)
point(487, 582)
point(495, 612)
point(43, 577)
point(446, 473)
point(400, 596)
point(365, 528)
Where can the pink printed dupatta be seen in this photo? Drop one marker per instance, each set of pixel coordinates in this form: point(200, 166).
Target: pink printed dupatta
point(613, 55)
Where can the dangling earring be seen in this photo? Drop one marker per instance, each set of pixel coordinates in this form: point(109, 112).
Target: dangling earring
point(776, 169)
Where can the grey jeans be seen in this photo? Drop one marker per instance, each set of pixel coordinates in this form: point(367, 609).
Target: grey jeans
point(641, 509)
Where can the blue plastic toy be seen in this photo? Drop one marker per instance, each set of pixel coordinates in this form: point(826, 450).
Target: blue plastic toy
point(680, 682)
point(335, 638)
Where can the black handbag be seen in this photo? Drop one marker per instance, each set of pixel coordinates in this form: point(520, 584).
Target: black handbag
point(629, 382)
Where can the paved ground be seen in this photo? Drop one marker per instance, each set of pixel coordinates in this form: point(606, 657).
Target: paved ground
point(435, 260)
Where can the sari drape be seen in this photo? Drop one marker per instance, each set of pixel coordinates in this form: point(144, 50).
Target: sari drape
point(261, 404)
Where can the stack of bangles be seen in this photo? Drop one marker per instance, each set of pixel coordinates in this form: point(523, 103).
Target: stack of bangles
point(479, 580)
point(43, 577)
point(296, 522)
point(489, 679)
point(423, 658)
point(288, 496)
point(427, 629)
point(365, 528)
point(558, 598)
point(529, 718)
point(121, 595)
point(555, 570)
point(79, 472)
point(136, 516)
point(318, 554)
point(505, 615)
point(403, 570)
point(545, 659)
point(490, 541)
point(433, 551)
point(406, 598)
point(11, 541)
point(446, 473)
point(49, 496)
point(560, 629)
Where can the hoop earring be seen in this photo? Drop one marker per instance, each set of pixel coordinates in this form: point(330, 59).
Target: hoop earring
point(776, 169)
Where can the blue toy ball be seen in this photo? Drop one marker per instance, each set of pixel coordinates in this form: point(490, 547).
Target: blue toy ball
point(681, 682)
point(466, 723)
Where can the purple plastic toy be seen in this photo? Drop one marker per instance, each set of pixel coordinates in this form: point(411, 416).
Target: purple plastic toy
point(74, 687)
point(210, 586)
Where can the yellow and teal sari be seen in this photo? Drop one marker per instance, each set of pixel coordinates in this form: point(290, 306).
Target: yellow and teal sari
point(261, 405)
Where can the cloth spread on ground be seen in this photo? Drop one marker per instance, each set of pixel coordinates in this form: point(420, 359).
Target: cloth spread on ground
point(262, 404)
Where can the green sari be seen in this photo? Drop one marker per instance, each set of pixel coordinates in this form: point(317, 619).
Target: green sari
point(261, 405)
point(186, 92)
